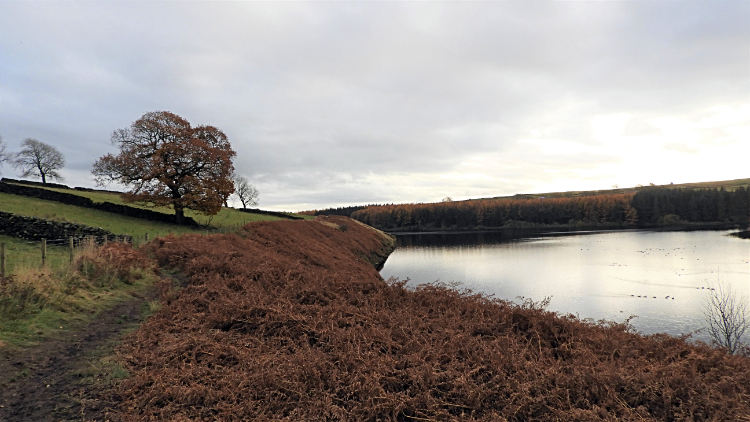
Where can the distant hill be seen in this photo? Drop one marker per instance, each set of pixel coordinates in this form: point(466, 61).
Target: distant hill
point(729, 185)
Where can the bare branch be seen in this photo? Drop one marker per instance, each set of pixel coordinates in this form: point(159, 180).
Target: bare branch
point(247, 193)
point(38, 159)
point(4, 156)
point(726, 317)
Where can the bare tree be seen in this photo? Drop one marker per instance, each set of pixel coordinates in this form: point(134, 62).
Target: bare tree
point(39, 159)
point(247, 193)
point(3, 154)
point(726, 317)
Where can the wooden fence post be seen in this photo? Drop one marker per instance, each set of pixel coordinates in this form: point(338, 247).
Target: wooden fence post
point(71, 245)
point(44, 251)
point(2, 260)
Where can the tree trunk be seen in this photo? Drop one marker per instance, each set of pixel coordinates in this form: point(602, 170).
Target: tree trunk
point(179, 210)
point(179, 214)
point(44, 179)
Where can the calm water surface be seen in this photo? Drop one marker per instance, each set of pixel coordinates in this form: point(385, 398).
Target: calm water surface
point(592, 275)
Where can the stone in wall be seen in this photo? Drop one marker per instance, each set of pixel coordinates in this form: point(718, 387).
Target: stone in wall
point(32, 228)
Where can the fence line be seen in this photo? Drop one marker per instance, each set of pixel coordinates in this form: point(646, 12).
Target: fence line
point(71, 243)
point(2, 261)
point(74, 242)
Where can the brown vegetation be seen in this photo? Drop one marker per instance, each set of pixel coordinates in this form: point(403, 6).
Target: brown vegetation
point(289, 321)
point(597, 209)
point(165, 161)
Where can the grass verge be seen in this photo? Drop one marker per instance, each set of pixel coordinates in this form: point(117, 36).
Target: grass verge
point(22, 255)
point(36, 303)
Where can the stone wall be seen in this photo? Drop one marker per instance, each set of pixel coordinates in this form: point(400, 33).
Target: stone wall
point(273, 213)
point(80, 201)
point(32, 228)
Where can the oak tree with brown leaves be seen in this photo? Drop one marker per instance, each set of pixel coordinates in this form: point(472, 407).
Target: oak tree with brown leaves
point(165, 161)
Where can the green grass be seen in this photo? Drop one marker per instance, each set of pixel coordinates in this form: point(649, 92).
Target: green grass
point(50, 300)
point(55, 211)
point(22, 254)
point(102, 365)
point(39, 302)
point(227, 218)
point(61, 312)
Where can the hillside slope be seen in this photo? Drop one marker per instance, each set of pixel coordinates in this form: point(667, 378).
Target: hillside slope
point(290, 321)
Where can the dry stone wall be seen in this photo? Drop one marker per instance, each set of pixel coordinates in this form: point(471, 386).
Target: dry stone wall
point(32, 228)
point(80, 201)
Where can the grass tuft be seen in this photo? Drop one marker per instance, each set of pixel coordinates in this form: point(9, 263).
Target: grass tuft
point(38, 302)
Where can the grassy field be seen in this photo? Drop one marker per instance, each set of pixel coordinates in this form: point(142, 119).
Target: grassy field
point(22, 255)
point(226, 218)
point(55, 211)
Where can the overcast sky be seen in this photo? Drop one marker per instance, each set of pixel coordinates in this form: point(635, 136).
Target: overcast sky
point(338, 103)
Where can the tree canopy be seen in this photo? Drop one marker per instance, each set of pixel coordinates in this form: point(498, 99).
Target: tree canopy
point(165, 161)
point(37, 159)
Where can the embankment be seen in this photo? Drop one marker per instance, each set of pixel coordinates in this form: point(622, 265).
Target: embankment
point(290, 321)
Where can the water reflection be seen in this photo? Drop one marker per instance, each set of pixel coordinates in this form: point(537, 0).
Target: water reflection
point(474, 238)
point(659, 276)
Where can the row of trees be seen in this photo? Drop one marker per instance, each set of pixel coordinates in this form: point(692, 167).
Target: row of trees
point(36, 159)
point(658, 205)
point(597, 209)
point(344, 211)
point(648, 206)
point(162, 159)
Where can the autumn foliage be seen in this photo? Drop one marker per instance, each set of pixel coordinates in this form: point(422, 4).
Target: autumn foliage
point(595, 209)
point(290, 321)
point(165, 161)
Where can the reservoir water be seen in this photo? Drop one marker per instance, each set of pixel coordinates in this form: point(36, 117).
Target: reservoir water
point(662, 277)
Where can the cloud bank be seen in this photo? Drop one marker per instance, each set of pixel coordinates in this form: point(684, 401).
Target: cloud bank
point(337, 103)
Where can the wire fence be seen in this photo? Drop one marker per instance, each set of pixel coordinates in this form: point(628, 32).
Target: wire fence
point(22, 249)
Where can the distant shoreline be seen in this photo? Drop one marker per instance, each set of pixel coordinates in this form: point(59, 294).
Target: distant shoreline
point(569, 228)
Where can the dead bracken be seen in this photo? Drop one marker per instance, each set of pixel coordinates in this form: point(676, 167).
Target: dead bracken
point(290, 321)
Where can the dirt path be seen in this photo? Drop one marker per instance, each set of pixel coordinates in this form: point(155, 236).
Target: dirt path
point(48, 382)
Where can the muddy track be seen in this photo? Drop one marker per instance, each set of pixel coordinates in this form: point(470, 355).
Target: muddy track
point(44, 383)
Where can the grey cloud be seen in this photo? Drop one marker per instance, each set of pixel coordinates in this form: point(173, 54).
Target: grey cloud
point(318, 97)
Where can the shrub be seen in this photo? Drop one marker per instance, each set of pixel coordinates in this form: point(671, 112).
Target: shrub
point(112, 263)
